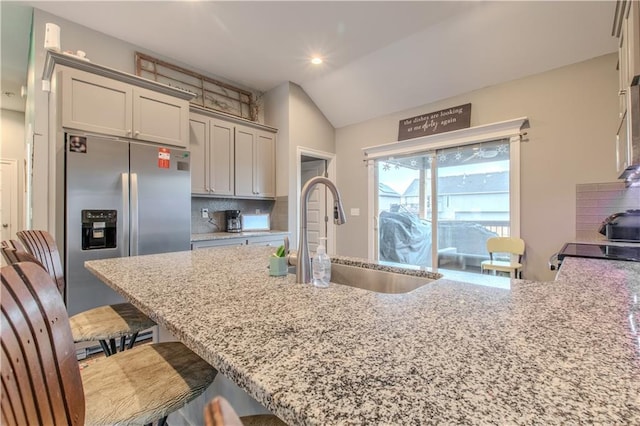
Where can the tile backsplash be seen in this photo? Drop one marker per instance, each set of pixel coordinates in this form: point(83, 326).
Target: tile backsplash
point(217, 206)
point(596, 201)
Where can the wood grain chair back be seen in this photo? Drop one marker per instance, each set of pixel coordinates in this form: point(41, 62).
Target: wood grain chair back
point(43, 247)
point(41, 382)
point(8, 248)
point(14, 255)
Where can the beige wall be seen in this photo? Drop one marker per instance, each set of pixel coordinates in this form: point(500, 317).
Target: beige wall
point(573, 113)
point(308, 126)
point(13, 148)
point(300, 124)
point(276, 114)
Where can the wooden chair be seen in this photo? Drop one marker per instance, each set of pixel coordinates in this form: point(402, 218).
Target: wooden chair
point(41, 379)
point(218, 412)
point(103, 324)
point(9, 249)
point(12, 255)
point(504, 245)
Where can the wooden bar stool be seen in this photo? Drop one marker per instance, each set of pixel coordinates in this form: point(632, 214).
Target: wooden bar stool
point(41, 380)
point(218, 412)
point(103, 324)
point(9, 249)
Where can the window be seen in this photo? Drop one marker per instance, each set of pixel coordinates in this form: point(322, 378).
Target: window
point(475, 185)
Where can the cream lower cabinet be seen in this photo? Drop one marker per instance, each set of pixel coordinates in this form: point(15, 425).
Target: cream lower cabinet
point(255, 163)
point(212, 162)
point(98, 104)
point(262, 240)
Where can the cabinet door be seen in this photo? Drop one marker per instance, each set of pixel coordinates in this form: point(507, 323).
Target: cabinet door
point(221, 157)
point(622, 71)
point(622, 146)
point(198, 145)
point(633, 44)
point(267, 240)
point(218, 243)
point(244, 161)
point(95, 104)
point(160, 118)
point(265, 171)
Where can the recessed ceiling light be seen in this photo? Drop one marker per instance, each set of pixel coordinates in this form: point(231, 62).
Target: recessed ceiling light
point(316, 60)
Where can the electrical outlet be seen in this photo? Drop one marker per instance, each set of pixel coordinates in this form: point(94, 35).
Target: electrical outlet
point(257, 211)
point(205, 213)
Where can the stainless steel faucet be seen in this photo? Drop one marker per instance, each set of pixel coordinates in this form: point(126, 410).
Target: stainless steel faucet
point(303, 262)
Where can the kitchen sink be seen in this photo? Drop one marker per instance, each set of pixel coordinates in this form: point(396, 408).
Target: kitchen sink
point(374, 280)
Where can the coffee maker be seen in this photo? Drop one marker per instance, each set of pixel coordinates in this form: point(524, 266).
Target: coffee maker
point(232, 217)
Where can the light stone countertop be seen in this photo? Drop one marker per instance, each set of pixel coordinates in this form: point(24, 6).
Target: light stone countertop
point(561, 352)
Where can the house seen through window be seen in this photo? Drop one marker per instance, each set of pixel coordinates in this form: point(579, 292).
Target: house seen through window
point(468, 184)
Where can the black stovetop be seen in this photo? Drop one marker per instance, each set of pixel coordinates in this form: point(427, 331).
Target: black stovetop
point(600, 251)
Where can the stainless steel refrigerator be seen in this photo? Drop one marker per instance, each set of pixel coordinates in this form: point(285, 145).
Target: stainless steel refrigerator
point(121, 198)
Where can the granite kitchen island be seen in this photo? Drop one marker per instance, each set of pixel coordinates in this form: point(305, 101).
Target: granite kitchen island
point(561, 352)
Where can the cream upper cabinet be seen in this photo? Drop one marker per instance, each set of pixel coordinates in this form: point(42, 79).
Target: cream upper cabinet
point(255, 162)
point(102, 105)
point(231, 159)
point(198, 141)
point(96, 104)
point(265, 169)
point(631, 27)
point(245, 140)
point(627, 28)
point(212, 164)
point(221, 157)
point(160, 118)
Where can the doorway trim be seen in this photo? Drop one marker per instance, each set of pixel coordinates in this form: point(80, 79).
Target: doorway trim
point(329, 157)
point(13, 188)
point(511, 130)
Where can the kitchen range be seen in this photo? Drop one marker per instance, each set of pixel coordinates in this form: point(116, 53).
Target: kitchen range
point(622, 231)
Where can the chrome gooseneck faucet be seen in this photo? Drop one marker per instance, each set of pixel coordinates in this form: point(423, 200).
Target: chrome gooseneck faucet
point(303, 263)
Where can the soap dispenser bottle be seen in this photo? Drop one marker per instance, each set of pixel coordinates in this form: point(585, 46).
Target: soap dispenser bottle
point(321, 266)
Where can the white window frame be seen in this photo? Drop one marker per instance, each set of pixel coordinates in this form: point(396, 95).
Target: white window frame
point(509, 129)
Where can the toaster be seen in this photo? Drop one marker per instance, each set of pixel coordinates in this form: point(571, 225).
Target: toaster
point(623, 226)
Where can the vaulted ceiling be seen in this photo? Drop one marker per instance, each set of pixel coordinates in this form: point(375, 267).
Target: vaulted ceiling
point(379, 56)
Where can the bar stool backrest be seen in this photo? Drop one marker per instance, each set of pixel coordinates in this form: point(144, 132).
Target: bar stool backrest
point(218, 412)
point(40, 374)
point(43, 247)
point(12, 256)
point(8, 248)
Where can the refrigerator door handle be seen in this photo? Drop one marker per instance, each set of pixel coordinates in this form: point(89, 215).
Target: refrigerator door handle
point(125, 216)
point(134, 215)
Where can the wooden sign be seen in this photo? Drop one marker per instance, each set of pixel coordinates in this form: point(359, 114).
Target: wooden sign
point(446, 120)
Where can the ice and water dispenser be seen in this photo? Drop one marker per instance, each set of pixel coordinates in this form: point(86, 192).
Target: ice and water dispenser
point(99, 229)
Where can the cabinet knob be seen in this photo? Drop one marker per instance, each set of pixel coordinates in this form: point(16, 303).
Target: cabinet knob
point(129, 131)
point(137, 133)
